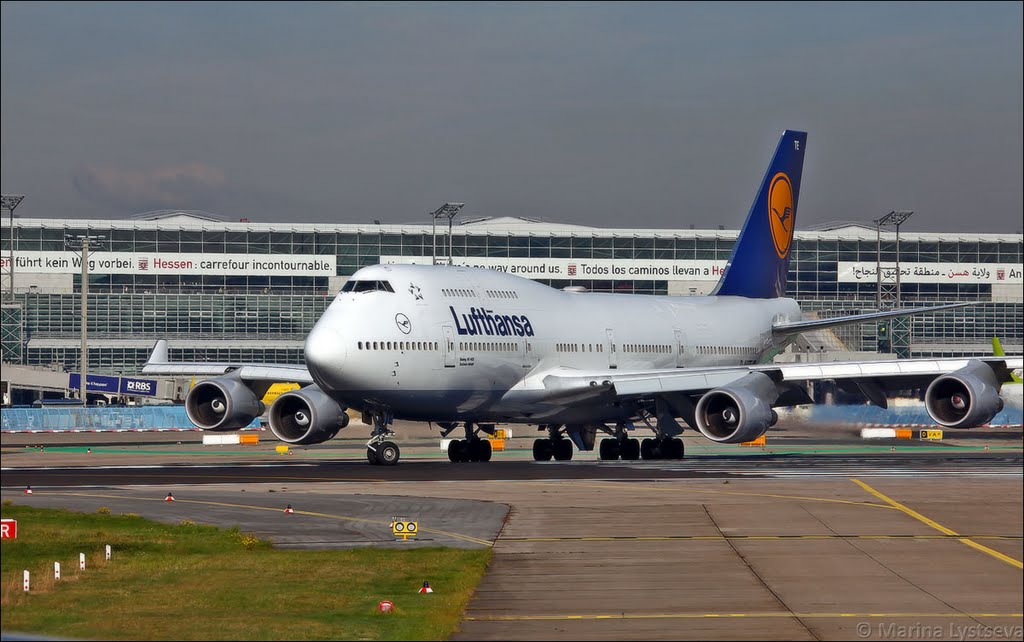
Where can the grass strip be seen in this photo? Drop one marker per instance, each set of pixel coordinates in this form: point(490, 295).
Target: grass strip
point(193, 582)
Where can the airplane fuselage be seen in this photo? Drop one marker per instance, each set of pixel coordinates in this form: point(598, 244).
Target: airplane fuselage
point(450, 343)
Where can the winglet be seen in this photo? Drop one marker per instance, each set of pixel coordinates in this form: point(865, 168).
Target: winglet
point(997, 350)
point(759, 263)
point(159, 354)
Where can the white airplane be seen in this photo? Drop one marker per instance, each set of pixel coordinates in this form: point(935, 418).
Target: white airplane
point(475, 347)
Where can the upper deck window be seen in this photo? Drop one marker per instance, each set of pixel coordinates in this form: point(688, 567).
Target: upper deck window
point(366, 286)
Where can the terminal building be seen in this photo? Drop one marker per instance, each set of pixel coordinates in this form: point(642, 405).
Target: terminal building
point(244, 291)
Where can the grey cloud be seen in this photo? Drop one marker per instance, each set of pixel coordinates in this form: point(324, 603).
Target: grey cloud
point(140, 190)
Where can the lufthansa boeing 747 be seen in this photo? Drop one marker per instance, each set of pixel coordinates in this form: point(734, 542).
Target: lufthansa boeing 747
point(466, 347)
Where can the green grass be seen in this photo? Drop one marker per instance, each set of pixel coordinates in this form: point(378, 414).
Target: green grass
point(190, 582)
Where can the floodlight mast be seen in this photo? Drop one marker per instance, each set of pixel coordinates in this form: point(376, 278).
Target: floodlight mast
point(449, 211)
point(898, 337)
point(85, 243)
point(9, 202)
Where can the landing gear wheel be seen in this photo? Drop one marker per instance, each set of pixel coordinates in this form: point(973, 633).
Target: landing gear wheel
point(630, 449)
point(456, 450)
point(482, 450)
point(563, 450)
point(648, 449)
point(673, 448)
point(388, 453)
point(608, 450)
point(371, 456)
point(542, 450)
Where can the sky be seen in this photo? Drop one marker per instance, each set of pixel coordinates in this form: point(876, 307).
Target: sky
point(638, 115)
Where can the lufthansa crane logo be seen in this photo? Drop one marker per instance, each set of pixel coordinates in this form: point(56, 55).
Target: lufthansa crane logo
point(780, 213)
point(403, 323)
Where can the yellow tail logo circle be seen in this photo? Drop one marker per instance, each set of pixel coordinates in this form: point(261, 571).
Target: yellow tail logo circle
point(780, 213)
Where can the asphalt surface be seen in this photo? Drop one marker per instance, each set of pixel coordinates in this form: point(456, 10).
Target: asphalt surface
point(807, 538)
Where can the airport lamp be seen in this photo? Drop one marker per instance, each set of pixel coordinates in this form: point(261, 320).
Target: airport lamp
point(9, 202)
point(85, 243)
point(449, 211)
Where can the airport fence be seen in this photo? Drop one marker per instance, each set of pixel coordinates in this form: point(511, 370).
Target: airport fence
point(899, 413)
point(99, 419)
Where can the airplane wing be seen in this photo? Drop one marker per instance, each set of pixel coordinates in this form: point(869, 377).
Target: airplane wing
point(894, 374)
point(797, 327)
point(159, 364)
point(969, 395)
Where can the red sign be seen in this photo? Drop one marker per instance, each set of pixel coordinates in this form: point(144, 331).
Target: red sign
point(9, 529)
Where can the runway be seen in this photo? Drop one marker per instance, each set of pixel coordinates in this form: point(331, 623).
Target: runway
point(825, 539)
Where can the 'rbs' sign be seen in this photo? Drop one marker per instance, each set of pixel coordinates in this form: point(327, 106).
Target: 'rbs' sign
point(138, 386)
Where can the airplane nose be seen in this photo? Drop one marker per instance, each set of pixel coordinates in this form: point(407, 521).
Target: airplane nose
point(325, 355)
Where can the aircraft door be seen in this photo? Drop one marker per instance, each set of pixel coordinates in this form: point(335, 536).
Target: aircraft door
point(610, 347)
point(680, 349)
point(448, 346)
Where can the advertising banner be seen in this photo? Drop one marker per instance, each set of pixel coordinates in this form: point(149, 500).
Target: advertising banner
point(96, 383)
point(131, 386)
point(597, 269)
point(163, 263)
point(992, 273)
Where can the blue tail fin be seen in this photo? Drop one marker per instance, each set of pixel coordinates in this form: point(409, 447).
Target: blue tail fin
point(760, 259)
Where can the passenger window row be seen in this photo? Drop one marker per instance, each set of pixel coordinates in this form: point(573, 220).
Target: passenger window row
point(488, 346)
point(398, 345)
point(458, 292)
point(733, 350)
point(579, 347)
point(645, 348)
point(503, 294)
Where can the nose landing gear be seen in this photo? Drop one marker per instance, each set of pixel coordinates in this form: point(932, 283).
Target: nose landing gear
point(380, 450)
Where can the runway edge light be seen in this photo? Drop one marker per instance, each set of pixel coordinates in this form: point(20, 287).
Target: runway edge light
point(289, 510)
point(169, 498)
point(426, 588)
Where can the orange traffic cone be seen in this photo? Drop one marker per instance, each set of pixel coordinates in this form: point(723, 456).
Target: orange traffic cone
point(169, 498)
point(426, 588)
point(288, 510)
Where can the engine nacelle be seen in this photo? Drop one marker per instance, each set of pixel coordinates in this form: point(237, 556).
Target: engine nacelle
point(740, 411)
point(966, 398)
point(306, 416)
point(223, 403)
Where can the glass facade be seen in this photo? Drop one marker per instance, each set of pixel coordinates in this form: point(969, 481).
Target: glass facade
point(264, 316)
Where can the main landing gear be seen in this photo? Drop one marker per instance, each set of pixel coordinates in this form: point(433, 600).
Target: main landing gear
point(555, 446)
point(631, 449)
point(380, 450)
point(472, 448)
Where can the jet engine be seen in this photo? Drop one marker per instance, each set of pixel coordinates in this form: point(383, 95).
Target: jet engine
point(966, 398)
point(306, 416)
point(223, 403)
point(740, 411)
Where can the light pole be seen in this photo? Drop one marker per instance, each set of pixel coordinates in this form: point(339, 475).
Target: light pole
point(9, 202)
point(898, 336)
point(85, 244)
point(449, 211)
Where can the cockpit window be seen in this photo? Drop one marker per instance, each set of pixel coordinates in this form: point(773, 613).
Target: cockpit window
point(366, 286)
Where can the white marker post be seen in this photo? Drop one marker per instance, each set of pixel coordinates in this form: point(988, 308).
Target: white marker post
point(81, 561)
point(56, 570)
point(26, 581)
point(108, 552)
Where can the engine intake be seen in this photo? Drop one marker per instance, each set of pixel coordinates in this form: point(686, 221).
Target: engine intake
point(222, 404)
point(738, 412)
point(966, 398)
point(306, 416)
